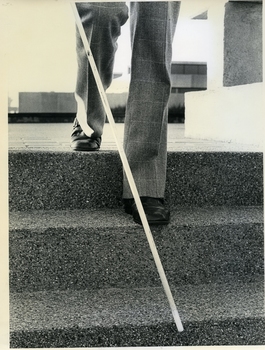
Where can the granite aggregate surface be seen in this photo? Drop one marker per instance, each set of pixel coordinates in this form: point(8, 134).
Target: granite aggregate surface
point(81, 273)
point(39, 220)
point(79, 250)
point(44, 173)
point(128, 306)
point(71, 180)
point(227, 314)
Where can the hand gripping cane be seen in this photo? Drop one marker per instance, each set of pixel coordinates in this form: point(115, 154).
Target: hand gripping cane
point(128, 171)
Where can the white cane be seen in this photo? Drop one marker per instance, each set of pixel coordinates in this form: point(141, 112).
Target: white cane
point(128, 171)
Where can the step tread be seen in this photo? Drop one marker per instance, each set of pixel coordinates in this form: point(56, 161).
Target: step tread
point(135, 306)
point(103, 218)
point(225, 311)
point(105, 248)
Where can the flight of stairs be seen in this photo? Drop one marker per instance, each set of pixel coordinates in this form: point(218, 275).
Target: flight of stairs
point(81, 271)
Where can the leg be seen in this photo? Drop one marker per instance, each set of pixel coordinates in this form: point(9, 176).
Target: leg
point(102, 23)
point(145, 140)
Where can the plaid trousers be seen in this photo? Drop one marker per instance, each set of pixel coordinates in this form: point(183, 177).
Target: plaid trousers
point(145, 135)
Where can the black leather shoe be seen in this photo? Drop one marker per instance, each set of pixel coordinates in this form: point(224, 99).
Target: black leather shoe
point(81, 142)
point(154, 209)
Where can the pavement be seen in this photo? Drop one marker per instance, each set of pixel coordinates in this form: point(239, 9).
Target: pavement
point(56, 137)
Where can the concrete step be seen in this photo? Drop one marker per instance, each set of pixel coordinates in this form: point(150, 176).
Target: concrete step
point(212, 314)
point(91, 249)
point(78, 180)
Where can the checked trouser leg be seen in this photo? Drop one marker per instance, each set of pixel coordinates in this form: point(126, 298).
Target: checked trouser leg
point(102, 23)
point(145, 139)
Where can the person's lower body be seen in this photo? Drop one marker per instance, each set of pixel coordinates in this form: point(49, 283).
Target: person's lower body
point(152, 29)
point(145, 138)
point(102, 23)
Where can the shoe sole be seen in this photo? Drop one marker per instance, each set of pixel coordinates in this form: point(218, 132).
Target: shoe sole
point(128, 210)
point(152, 223)
point(78, 145)
point(85, 149)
